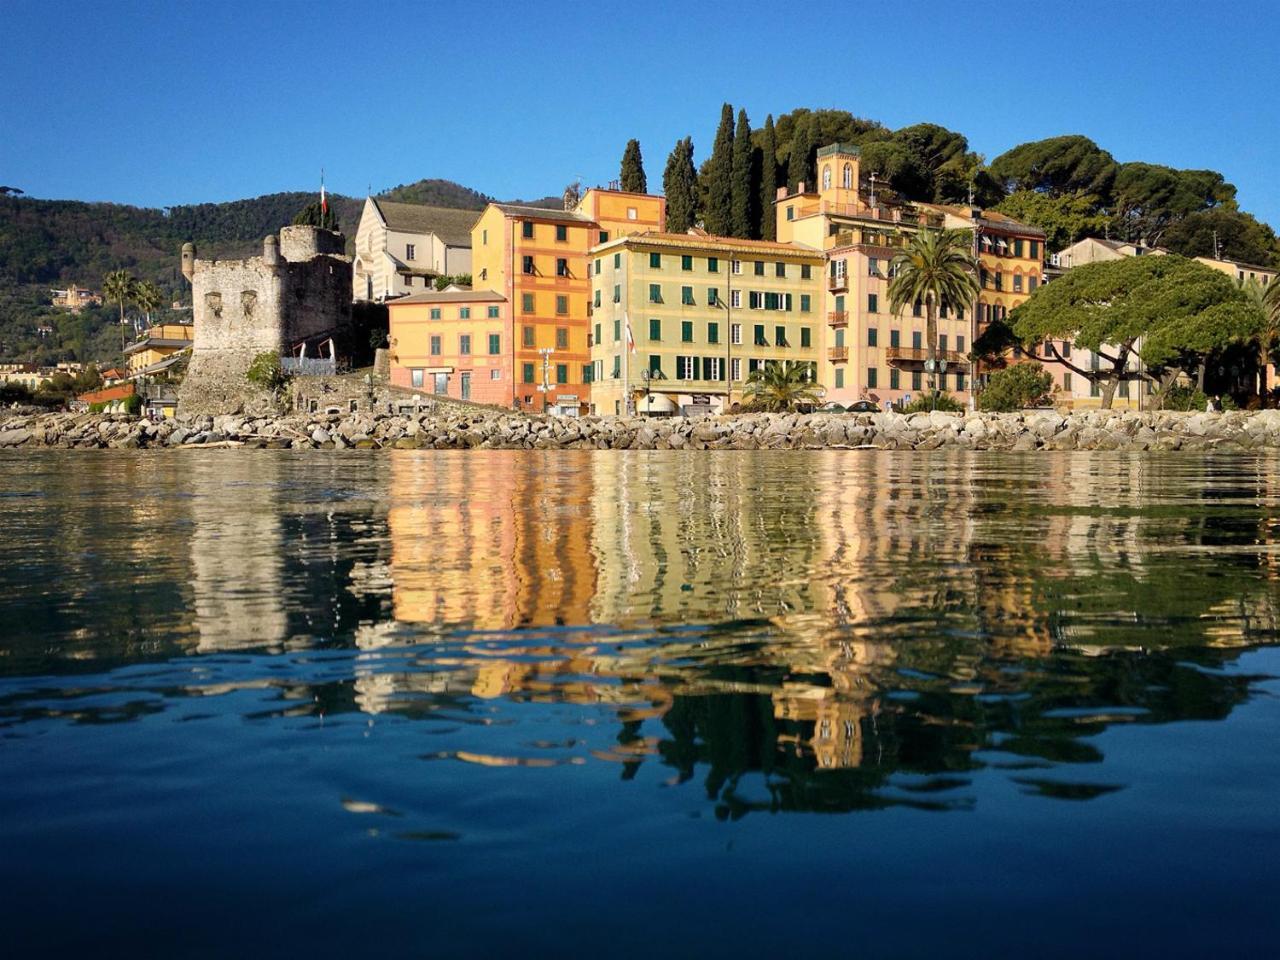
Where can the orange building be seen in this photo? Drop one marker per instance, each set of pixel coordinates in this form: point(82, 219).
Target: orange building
point(455, 343)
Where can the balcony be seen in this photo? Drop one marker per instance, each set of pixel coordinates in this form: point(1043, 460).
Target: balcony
point(838, 282)
point(838, 318)
point(838, 354)
point(920, 355)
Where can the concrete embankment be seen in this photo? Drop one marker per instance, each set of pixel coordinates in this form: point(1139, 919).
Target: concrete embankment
point(1026, 431)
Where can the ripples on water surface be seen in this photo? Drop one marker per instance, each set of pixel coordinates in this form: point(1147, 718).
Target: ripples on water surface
point(645, 703)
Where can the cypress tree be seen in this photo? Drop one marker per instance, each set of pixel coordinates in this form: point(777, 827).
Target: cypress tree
point(768, 180)
point(741, 223)
point(800, 164)
point(717, 215)
point(632, 176)
point(680, 184)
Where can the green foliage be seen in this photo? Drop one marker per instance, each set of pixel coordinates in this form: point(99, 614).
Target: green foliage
point(14, 393)
point(1239, 237)
point(632, 176)
point(680, 184)
point(936, 400)
point(1067, 164)
point(313, 215)
point(1065, 218)
point(132, 405)
point(97, 406)
point(780, 386)
point(1015, 387)
point(935, 268)
point(434, 193)
point(444, 280)
point(717, 177)
point(744, 183)
point(265, 371)
point(1183, 396)
point(1148, 197)
point(801, 158)
point(768, 159)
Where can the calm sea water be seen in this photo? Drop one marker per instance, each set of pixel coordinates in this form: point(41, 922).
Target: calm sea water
point(653, 704)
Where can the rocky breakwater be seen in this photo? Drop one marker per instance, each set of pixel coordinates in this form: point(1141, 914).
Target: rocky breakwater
point(440, 429)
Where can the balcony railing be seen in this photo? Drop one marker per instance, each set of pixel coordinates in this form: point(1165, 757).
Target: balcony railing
point(838, 282)
point(838, 354)
point(920, 355)
point(838, 318)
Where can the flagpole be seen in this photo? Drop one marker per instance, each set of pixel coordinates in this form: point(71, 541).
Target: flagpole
point(626, 364)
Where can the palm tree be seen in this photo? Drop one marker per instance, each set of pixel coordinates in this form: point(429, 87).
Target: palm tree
point(1269, 337)
point(781, 385)
point(148, 297)
point(120, 287)
point(935, 268)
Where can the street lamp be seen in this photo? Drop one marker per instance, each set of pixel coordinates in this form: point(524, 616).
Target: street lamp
point(545, 387)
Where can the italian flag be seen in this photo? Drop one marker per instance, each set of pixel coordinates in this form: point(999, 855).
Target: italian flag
point(324, 204)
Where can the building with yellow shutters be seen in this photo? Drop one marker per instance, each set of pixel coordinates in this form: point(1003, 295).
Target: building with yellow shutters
point(680, 321)
point(870, 353)
point(537, 260)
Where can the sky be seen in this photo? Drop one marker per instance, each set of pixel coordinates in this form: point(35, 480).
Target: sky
point(159, 104)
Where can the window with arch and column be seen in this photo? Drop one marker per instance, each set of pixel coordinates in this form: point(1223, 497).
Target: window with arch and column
point(826, 177)
point(846, 176)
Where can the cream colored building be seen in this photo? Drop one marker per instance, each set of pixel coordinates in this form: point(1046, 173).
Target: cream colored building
point(401, 248)
point(1097, 250)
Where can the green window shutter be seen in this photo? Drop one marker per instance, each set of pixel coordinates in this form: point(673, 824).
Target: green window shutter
point(617, 260)
point(597, 340)
point(655, 293)
point(596, 302)
point(713, 264)
point(713, 333)
point(805, 337)
point(871, 336)
point(562, 232)
point(655, 363)
point(495, 343)
point(562, 373)
point(697, 371)
point(713, 294)
point(655, 329)
point(617, 367)
point(686, 331)
point(526, 302)
point(435, 313)
point(617, 293)
point(528, 373)
point(686, 262)
point(804, 303)
point(617, 330)
point(464, 313)
point(655, 261)
point(760, 340)
point(686, 296)
point(895, 378)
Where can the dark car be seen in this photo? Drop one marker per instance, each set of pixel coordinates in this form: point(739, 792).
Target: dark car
point(863, 406)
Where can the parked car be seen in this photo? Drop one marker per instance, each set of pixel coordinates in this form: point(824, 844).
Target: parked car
point(863, 406)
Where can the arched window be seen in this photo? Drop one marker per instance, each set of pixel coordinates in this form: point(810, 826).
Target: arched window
point(846, 177)
point(826, 177)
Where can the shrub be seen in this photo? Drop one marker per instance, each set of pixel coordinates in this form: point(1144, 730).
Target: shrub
point(266, 372)
point(1183, 397)
point(925, 402)
point(133, 405)
point(1015, 387)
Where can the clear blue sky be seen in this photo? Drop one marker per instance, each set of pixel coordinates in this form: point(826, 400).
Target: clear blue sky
point(165, 103)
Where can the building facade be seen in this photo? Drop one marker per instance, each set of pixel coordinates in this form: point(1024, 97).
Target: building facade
point(158, 347)
point(454, 343)
point(401, 248)
point(680, 321)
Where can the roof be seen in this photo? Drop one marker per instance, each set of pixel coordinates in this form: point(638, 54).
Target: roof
point(706, 240)
point(153, 342)
point(450, 224)
point(519, 211)
point(450, 296)
point(107, 394)
point(164, 364)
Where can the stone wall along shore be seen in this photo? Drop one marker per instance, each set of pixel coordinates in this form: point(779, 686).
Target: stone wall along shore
point(453, 429)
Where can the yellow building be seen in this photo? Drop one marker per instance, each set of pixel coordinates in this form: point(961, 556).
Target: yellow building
point(704, 312)
point(1242, 273)
point(537, 259)
point(868, 352)
point(155, 351)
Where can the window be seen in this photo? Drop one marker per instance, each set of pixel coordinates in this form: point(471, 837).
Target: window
point(562, 373)
point(735, 334)
point(735, 299)
point(684, 368)
point(632, 213)
point(527, 337)
point(840, 337)
point(779, 269)
point(526, 230)
point(562, 338)
point(655, 329)
point(1066, 381)
point(655, 293)
point(1035, 249)
point(562, 233)
point(871, 378)
point(1031, 284)
point(759, 268)
point(917, 308)
point(415, 377)
point(942, 342)
point(526, 264)
point(873, 303)
point(588, 372)
point(686, 262)
point(915, 379)
point(466, 387)
point(686, 296)
point(1017, 248)
point(617, 261)
point(603, 236)
point(871, 336)
point(464, 345)
point(408, 281)
point(713, 333)
point(760, 340)
point(915, 340)
point(959, 344)
point(806, 271)
point(495, 374)
point(735, 267)
point(526, 303)
point(655, 261)
point(493, 313)
point(435, 346)
point(895, 338)
point(983, 277)
point(441, 383)
point(735, 369)
point(806, 337)
point(712, 368)
point(942, 312)
point(562, 267)
point(713, 296)
point(617, 330)
point(617, 293)
point(464, 313)
point(596, 301)
point(495, 344)
point(826, 177)
point(655, 365)
point(597, 339)
point(791, 213)
point(839, 378)
point(1066, 349)
point(960, 381)
point(846, 176)
point(999, 280)
point(713, 265)
point(617, 367)
point(686, 331)
point(562, 304)
point(804, 303)
point(1017, 283)
point(435, 313)
point(780, 337)
point(484, 237)
point(1094, 389)
point(526, 372)
point(873, 267)
point(408, 251)
point(895, 378)
point(599, 265)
